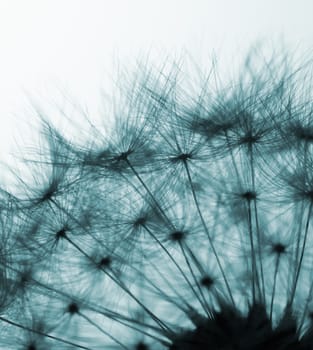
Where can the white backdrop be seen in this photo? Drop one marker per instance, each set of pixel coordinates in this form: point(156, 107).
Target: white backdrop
point(73, 45)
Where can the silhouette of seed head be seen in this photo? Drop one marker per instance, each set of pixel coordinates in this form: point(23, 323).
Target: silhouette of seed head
point(72, 308)
point(140, 221)
point(60, 234)
point(249, 195)
point(301, 132)
point(187, 223)
point(105, 262)
point(141, 346)
point(309, 194)
point(207, 282)
point(249, 139)
point(177, 236)
point(31, 347)
point(183, 157)
point(124, 155)
point(279, 248)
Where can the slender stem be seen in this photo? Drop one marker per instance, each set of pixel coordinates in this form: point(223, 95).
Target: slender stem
point(162, 341)
point(252, 164)
point(174, 262)
point(122, 286)
point(207, 232)
point(159, 290)
point(77, 222)
point(259, 248)
point(290, 302)
point(95, 308)
point(254, 271)
point(203, 302)
point(167, 219)
point(102, 330)
point(180, 297)
point(231, 154)
point(43, 334)
point(149, 192)
point(308, 300)
point(297, 250)
point(274, 285)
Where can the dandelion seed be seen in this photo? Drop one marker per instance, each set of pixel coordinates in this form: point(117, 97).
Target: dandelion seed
point(185, 224)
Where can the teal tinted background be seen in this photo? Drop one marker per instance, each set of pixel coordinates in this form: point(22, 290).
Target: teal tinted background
point(74, 45)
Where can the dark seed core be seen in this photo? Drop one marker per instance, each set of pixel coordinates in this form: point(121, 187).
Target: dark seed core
point(279, 248)
point(207, 282)
point(230, 329)
point(61, 233)
point(249, 139)
point(177, 236)
point(105, 261)
point(249, 195)
point(183, 157)
point(73, 308)
point(142, 346)
point(124, 155)
point(140, 221)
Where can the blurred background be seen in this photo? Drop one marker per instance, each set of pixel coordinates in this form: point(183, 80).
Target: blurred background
point(56, 51)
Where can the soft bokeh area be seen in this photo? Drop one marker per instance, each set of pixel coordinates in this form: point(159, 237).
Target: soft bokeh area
point(55, 51)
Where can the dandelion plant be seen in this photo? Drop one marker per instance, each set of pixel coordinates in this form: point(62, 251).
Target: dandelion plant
point(184, 223)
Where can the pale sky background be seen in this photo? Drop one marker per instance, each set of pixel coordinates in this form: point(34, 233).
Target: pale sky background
point(74, 45)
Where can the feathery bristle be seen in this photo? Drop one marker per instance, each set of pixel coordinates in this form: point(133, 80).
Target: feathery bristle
point(186, 225)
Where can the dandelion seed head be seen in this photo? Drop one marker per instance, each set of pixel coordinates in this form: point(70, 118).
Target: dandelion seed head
point(303, 134)
point(141, 346)
point(177, 236)
point(207, 282)
point(105, 262)
point(249, 195)
point(60, 234)
point(72, 308)
point(279, 248)
point(182, 157)
point(183, 224)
